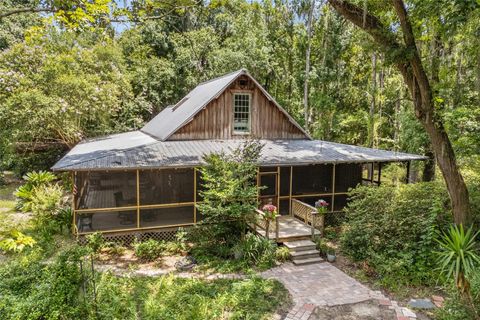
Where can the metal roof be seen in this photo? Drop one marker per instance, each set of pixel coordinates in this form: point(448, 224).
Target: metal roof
point(134, 150)
point(172, 118)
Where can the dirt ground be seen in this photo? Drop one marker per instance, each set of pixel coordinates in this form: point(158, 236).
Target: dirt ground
point(367, 310)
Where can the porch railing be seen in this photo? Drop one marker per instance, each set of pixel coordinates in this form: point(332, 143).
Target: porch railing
point(308, 214)
point(266, 225)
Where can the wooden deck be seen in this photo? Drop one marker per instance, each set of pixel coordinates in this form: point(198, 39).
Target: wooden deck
point(290, 229)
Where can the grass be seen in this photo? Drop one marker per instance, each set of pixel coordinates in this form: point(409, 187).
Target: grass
point(7, 199)
point(180, 298)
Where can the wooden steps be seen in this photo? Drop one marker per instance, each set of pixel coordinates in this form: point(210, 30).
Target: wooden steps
point(303, 252)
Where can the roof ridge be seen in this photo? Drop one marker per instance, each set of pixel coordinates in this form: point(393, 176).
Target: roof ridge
point(219, 77)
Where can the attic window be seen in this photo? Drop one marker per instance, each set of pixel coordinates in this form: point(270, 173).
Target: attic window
point(241, 113)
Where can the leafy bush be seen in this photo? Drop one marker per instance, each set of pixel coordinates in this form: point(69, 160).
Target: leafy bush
point(282, 254)
point(149, 250)
point(169, 297)
point(48, 208)
point(17, 242)
point(229, 191)
point(95, 241)
point(113, 248)
point(259, 251)
point(393, 229)
point(456, 307)
point(25, 193)
point(32, 289)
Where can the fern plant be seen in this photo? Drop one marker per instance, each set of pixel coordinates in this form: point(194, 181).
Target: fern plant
point(458, 256)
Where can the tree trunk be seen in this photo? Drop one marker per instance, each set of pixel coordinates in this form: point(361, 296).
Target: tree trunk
point(373, 102)
point(413, 73)
point(307, 66)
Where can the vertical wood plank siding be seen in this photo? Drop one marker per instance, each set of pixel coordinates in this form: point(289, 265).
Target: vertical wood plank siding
point(215, 121)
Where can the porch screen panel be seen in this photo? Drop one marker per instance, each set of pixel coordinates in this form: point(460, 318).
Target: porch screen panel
point(166, 216)
point(106, 220)
point(340, 202)
point(166, 186)
point(315, 179)
point(268, 182)
point(347, 175)
point(97, 189)
point(284, 181)
point(284, 207)
point(200, 184)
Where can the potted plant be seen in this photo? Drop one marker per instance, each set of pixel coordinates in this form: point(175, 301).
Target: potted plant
point(269, 214)
point(322, 208)
point(331, 255)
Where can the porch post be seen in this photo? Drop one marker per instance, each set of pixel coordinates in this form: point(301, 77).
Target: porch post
point(138, 199)
point(312, 226)
point(74, 193)
point(379, 173)
point(194, 195)
point(372, 173)
point(277, 228)
point(407, 178)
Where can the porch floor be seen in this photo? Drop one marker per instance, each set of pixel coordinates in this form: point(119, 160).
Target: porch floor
point(290, 229)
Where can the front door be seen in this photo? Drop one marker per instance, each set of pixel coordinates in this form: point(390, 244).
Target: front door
point(268, 181)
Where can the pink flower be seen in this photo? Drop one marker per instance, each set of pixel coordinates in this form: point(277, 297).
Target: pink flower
point(269, 208)
point(321, 204)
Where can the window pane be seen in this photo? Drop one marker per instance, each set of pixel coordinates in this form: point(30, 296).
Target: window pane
point(241, 112)
point(166, 216)
point(166, 186)
point(106, 189)
point(347, 176)
point(312, 179)
point(102, 221)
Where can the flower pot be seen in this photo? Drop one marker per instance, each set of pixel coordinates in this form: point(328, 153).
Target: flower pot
point(331, 257)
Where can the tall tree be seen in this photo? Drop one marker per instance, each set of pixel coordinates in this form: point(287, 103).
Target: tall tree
point(407, 60)
point(307, 63)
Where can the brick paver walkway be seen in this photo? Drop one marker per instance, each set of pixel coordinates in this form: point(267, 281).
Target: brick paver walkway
point(321, 285)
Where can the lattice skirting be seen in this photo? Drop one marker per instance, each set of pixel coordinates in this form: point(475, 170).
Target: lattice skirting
point(127, 238)
point(334, 219)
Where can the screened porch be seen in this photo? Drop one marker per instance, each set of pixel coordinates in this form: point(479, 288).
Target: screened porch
point(133, 200)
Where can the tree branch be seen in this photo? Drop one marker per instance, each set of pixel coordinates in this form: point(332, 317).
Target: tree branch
point(25, 10)
point(409, 38)
point(368, 22)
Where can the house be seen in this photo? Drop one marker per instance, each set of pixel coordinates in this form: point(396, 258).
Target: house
point(146, 181)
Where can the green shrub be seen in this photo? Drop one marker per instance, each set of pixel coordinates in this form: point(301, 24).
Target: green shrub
point(282, 254)
point(17, 242)
point(393, 229)
point(456, 307)
point(149, 250)
point(25, 193)
point(32, 289)
point(48, 207)
point(259, 251)
point(95, 241)
point(322, 246)
point(113, 248)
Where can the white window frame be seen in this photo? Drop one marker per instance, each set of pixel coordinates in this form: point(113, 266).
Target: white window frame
point(247, 131)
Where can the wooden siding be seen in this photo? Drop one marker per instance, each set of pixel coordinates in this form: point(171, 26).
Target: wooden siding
point(216, 120)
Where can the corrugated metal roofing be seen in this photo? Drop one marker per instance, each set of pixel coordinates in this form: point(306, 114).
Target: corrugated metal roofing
point(174, 117)
point(125, 151)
